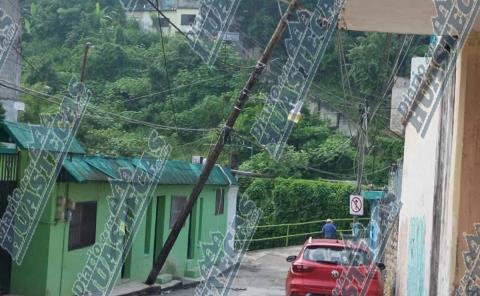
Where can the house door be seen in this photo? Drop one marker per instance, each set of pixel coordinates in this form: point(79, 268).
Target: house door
point(6, 188)
point(193, 230)
point(159, 226)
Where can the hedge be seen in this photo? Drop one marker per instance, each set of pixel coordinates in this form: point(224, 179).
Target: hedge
point(285, 201)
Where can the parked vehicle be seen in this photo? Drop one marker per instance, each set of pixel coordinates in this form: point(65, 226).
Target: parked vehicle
point(314, 272)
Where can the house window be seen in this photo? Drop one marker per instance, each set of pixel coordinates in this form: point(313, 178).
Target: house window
point(187, 19)
point(178, 203)
point(82, 226)
point(220, 201)
point(164, 23)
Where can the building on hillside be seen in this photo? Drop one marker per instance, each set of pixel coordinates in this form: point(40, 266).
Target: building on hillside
point(336, 120)
point(58, 250)
point(182, 13)
point(10, 73)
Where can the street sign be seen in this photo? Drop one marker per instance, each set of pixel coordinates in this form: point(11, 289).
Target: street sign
point(356, 205)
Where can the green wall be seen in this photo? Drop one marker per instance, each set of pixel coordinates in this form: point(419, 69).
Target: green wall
point(50, 269)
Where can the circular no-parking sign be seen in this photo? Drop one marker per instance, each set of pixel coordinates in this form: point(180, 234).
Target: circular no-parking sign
point(356, 205)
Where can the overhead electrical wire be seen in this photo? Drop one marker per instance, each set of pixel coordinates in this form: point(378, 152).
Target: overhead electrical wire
point(170, 89)
point(93, 108)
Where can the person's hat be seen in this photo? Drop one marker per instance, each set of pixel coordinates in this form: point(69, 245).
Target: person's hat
point(329, 221)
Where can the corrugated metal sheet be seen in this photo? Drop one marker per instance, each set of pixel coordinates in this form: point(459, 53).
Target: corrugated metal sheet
point(99, 168)
point(4, 150)
point(180, 172)
point(110, 165)
point(22, 135)
point(81, 171)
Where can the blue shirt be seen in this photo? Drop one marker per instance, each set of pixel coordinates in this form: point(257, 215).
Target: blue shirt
point(329, 230)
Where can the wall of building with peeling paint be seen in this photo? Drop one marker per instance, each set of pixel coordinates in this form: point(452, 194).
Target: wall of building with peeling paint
point(415, 222)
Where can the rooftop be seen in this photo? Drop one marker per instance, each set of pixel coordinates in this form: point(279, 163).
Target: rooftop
point(143, 5)
point(80, 167)
point(22, 135)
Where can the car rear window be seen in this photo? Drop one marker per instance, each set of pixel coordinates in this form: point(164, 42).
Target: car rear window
point(336, 255)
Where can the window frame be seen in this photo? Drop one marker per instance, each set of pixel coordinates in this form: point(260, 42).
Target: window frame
point(187, 19)
point(173, 218)
point(219, 201)
point(85, 226)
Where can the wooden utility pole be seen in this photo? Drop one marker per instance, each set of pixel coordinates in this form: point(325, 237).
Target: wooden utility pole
point(84, 62)
point(362, 147)
point(215, 152)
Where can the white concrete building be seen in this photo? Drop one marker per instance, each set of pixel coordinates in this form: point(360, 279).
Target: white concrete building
point(336, 120)
point(441, 166)
point(182, 13)
point(10, 73)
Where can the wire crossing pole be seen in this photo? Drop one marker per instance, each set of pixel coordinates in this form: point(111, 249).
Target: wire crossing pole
point(362, 147)
point(215, 152)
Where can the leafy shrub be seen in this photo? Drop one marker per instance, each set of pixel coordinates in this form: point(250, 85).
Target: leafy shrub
point(287, 201)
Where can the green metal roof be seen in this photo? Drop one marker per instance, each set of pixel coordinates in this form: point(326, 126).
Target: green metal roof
point(110, 166)
point(81, 171)
point(83, 168)
point(181, 172)
point(21, 133)
point(5, 150)
point(100, 169)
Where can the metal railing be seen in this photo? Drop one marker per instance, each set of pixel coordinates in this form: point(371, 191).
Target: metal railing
point(288, 233)
point(8, 166)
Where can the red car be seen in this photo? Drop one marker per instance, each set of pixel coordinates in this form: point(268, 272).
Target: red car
point(314, 272)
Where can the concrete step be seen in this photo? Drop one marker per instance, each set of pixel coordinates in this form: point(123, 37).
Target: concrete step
point(164, 278)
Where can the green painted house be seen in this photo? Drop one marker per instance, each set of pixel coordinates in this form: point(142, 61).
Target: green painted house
point(77, 211)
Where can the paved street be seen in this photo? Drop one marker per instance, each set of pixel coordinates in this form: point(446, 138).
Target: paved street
point(262, 273)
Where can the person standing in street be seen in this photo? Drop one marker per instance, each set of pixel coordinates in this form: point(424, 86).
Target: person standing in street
point(329, 230)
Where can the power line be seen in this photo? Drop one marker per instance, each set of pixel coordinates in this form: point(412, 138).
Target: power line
point(170, 89)
point(167, 76)
point(395, 70)
point(47, 97)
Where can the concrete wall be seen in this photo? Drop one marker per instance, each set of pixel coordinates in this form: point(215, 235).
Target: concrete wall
point(415, 223)
point(336, 120)
point(399, 89)
point(391, 16)
point(442, 167)
point(12, 68)
point(467, 153)
point(50, 268)
point(146, 20)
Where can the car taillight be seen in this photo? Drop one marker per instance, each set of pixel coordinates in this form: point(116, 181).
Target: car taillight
point(376, 275)
point(296, 267)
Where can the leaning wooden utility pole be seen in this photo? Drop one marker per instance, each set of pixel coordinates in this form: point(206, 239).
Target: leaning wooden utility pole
point(215, 152)
point(362, 147)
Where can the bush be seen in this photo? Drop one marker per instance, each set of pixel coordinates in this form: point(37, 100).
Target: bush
point(286, 201)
